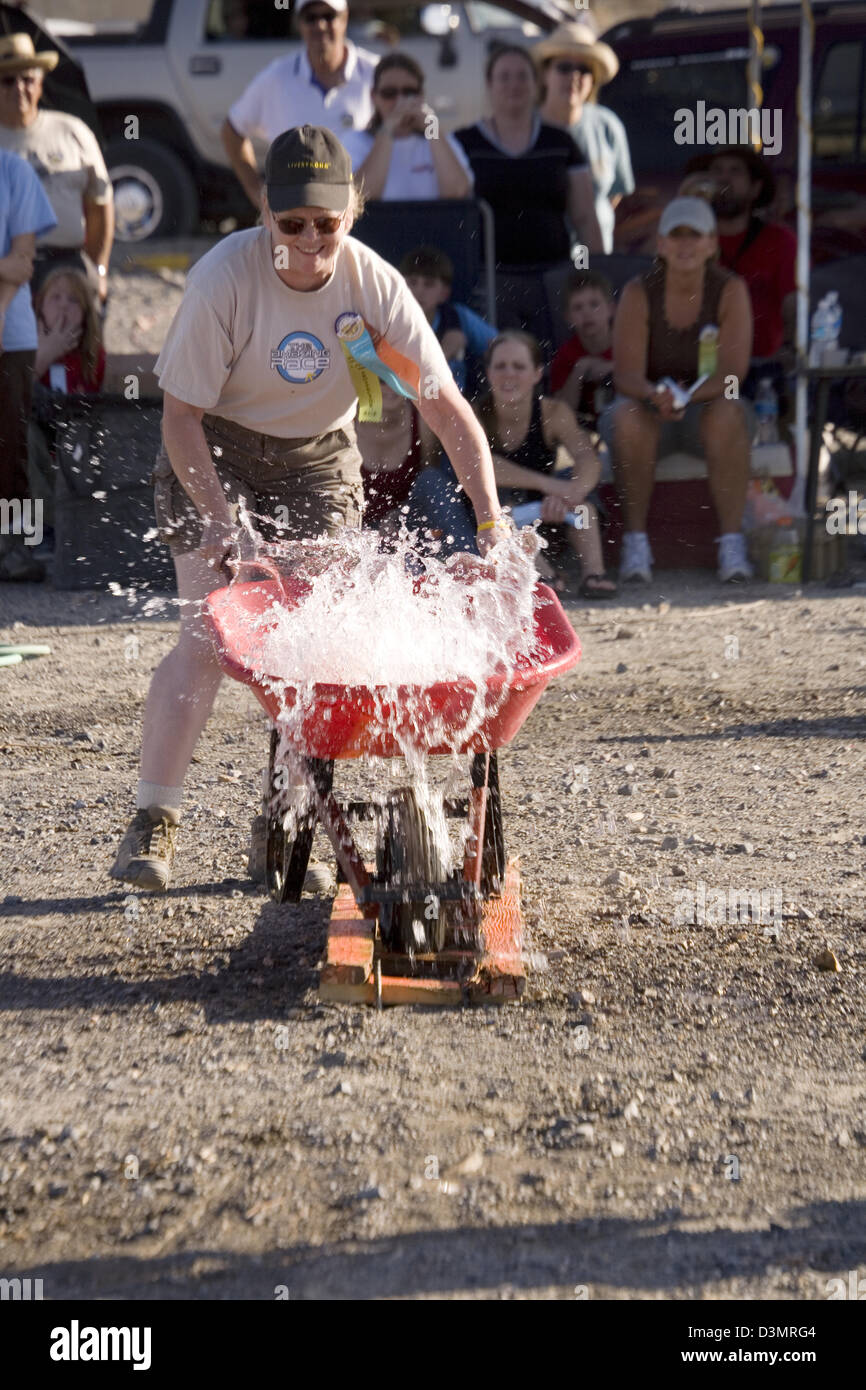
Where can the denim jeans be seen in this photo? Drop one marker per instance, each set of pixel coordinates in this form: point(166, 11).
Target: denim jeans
point(435, 504)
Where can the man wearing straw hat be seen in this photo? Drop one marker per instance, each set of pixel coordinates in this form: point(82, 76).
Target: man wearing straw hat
point(572, 66)
point(65, 154)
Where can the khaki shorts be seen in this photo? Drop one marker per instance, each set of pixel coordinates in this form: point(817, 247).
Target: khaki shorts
point(316, 483)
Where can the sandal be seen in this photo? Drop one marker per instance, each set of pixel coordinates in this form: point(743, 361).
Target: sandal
point(598, 586)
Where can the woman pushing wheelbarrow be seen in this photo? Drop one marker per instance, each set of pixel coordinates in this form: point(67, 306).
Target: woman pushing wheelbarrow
point(283, 329)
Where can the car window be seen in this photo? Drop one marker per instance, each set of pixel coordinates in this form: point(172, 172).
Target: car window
point(482, 16)
point(647, 93)
point(233, 20)
point(383, 23)
point(837, 102)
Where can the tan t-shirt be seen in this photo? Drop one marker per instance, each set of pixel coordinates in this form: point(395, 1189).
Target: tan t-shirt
point(244, 346)
point(65, 154)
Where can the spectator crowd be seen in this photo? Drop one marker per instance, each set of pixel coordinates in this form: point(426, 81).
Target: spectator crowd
point(714, 305)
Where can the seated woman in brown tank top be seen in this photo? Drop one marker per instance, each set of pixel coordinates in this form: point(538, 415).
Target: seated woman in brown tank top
point(685, 318)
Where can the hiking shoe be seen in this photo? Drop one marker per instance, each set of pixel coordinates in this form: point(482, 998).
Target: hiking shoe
point(318, 878)
point(733, 560)
point(146, 852)
point(19, 565)
point(635, 565)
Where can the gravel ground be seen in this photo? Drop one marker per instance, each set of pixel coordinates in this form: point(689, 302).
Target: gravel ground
point(675, 1110)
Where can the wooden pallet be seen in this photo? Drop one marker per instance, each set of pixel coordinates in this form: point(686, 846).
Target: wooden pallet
point(495, 975)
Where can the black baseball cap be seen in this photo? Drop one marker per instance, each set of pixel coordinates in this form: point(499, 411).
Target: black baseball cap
point(307, 167)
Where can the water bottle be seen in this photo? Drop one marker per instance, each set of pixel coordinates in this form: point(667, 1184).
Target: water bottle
point(820, 327)
point(767, 412)
point(526, 513)
point(834, 322)
point(785, 563)
point(823, 321)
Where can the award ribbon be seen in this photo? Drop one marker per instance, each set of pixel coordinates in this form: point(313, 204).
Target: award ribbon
point(367, 369)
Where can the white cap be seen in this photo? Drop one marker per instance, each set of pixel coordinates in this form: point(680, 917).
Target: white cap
point(688, 212)
point(338, 6)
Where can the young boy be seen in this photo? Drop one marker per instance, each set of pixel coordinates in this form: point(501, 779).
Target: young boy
point(464, 335)
point(585, 362)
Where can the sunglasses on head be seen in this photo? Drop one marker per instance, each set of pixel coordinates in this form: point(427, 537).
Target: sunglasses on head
point(389, 93)
point(26, 80)
point(324, 226)
point(566, 68)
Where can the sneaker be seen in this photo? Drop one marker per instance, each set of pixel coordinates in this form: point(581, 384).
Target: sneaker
point(318, 878)
point(19, 565)
point(733, 560)
point(146, 853)
point(635, 565)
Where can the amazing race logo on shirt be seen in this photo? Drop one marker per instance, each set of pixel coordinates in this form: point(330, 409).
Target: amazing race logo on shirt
point(300, 357)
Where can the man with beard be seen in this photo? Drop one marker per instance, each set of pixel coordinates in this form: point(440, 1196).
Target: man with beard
point(763, 253)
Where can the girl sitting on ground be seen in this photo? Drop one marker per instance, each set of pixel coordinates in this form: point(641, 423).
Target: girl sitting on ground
point(70, 340)
point(525, 430)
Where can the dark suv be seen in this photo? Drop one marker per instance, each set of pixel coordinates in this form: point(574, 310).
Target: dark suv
point(681, 57)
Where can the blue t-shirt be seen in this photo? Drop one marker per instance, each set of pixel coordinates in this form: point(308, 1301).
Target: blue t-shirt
point(477, 332)
point(600, 136)
point(23, 208)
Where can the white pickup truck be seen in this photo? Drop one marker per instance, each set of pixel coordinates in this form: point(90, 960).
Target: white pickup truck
point(180, 71)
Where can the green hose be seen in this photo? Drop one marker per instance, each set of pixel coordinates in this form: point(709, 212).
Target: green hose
point(12, 653)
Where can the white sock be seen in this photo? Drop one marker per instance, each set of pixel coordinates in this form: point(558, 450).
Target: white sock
point(152, 794)
point(638, 534)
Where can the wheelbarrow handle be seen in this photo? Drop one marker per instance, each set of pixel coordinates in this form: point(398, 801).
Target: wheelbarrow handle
point(267, 566)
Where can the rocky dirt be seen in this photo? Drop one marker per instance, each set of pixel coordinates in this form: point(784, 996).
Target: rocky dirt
point(674, 1111)
point(677, 1109)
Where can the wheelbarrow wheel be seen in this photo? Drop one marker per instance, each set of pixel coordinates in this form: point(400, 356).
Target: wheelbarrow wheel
point(410, 854)
point(287, 853)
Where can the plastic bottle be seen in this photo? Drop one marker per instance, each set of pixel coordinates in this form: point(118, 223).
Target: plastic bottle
point(526, 513)
point(767, 412)
point(834, 322)
point(821, 327)
point(785, 560)
point(826, 329)
point(708, 349)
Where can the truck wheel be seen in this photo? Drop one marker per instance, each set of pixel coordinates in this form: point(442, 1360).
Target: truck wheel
point(154, 193)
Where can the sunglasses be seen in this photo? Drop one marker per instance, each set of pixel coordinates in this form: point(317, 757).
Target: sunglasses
point(566, 68)
point(317, 16)
point(324, 226)
point(389, 93)
point(12, 81)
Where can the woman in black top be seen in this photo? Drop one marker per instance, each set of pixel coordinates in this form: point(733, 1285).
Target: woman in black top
point(525, 430)
point(534, 177)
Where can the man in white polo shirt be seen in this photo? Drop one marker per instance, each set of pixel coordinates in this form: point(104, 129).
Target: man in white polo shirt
point(329, 84)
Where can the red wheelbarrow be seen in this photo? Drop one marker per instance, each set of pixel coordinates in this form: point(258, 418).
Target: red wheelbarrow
point(406, 930)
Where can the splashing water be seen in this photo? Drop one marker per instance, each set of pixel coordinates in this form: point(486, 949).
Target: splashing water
point(358, 625)
point(377, 620)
